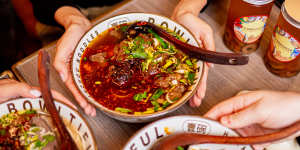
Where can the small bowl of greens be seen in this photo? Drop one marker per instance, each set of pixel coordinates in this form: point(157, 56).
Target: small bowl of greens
point(26, 125)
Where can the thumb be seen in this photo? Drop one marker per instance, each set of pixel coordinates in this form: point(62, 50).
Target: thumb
point(242, 118)
point(18, 89)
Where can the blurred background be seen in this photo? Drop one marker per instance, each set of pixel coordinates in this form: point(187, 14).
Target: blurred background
point(22, 34)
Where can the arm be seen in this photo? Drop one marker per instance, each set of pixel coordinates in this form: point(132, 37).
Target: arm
point(258, 112)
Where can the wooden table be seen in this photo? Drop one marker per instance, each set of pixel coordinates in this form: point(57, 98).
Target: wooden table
point(223, 81)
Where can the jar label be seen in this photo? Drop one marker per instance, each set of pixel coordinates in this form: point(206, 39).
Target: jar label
point(249, 29)
point(286, 47)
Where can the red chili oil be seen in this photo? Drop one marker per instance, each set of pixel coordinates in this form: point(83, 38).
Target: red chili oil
point(99, 85)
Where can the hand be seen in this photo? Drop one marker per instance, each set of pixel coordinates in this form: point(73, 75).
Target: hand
point(186, 13)
point(258, 112)
point(12, 89)
point(76, 25)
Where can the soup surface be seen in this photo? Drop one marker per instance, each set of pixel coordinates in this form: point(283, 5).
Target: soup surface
point(135, 75)
point(32, 130)
point(26, 130)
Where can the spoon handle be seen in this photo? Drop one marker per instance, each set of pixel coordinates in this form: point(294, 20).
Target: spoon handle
point(183, 139)
point(200, 53)
point(66, 140)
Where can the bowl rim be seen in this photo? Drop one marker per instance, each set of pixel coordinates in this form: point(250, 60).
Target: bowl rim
point(140, 116)
point(179, 116)
point(67, 105)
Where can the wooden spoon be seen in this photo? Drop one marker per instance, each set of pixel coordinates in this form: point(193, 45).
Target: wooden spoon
point(66, 140)
point(200, 53)
point(171, 142)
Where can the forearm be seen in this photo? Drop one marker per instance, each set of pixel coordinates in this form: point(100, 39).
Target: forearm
point(67, 16)
point(190, 6)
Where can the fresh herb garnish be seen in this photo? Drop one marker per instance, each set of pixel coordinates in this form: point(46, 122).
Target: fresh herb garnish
point(140, 96)
point(124, 28)
point(165, 104)
point(189, 62)
point(2, 132)
point(180, 148)
point(156, 105)
point(191, 77)
point(160, 40)
point(123, 110)
point(157, 94)
point(139, 54)
point(31, 111)
point(175, 99)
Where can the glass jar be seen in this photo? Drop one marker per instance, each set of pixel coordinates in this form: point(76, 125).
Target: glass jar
point(282, 56)
point(245, 24)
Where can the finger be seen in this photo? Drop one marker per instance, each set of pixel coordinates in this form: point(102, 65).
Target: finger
point(203, 83)
point(175, 13)
point(61, 60)
point(58, 96)
point(260, 147)
point(208, 38)
point(243, 118)
point(191, 101)
point(18, 89)
point(195, 101)
point(88, 108)
point(233, 104)
point(64, 50)
point(8, 81)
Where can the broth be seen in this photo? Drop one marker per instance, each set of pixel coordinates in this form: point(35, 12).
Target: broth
point(135, 75)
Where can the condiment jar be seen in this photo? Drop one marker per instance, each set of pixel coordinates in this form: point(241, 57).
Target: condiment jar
point(282, 56)
point(245, 24)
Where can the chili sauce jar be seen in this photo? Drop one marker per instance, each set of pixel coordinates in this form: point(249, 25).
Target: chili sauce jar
point(245, 24)
point(282, 56)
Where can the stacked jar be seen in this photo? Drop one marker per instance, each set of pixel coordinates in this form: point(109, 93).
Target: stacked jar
point(245, 24)
point(282, 56)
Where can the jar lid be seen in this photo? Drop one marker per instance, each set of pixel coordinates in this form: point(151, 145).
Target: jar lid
point(258, 2)
point(292, 8)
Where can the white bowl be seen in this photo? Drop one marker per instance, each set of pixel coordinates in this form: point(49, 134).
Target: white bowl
point(147, 136)
point(127, 18)
point(78, 127)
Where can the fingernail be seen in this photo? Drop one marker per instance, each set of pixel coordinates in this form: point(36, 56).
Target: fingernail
point(225, 120)
point(212, 65)
point(35, 93)
point(62, 77)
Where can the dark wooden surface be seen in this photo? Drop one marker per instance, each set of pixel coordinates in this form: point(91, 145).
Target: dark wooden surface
point(223, 81)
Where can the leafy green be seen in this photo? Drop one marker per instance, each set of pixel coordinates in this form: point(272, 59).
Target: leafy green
point(160, 40)
point(157, 94)
point(124, 28)
point(123, 110)
point(165, 104)
point(2, 132)
point(191, 77)
point(156, 105)
point(189, 62)
point(140, 96)
point(139, 54)
point(179, 148)
point(38, 144)
point(31, 111)
point(49, 137)
point(175, 99)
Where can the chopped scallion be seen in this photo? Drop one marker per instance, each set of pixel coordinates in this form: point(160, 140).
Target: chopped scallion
point(123, 110)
